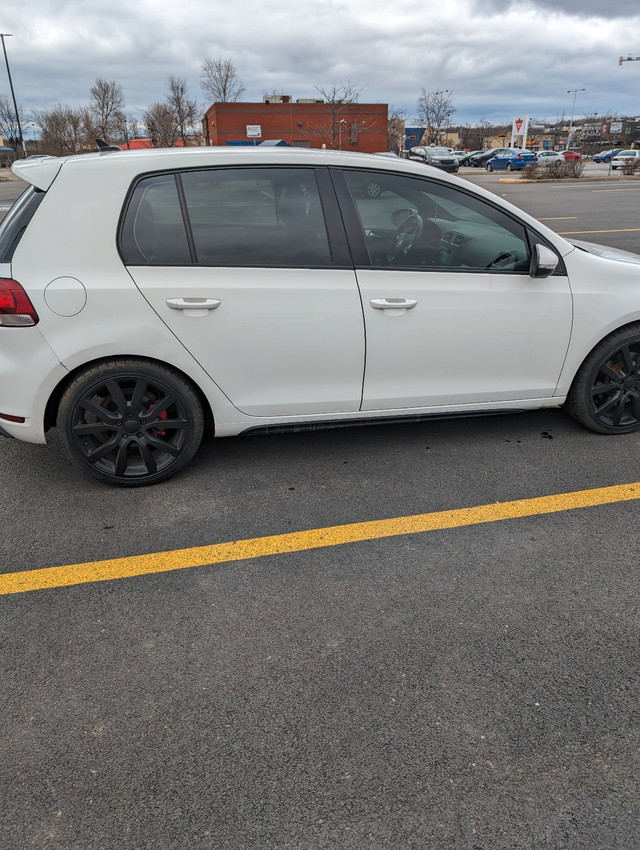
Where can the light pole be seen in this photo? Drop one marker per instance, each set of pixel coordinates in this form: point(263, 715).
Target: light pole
point(573, 108)
point(341, 123)
point(438, 110)
point(4, 35)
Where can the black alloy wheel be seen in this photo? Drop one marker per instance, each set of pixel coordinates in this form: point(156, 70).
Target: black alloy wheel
point(605, 396)
point(131, 423)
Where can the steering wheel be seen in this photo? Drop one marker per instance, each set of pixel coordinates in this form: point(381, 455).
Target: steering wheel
point(404, 237)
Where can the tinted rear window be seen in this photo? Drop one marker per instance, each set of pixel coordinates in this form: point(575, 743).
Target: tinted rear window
point(16, 221)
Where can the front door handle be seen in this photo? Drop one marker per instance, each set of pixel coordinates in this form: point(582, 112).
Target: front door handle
point(193, 303)
point(393, 303)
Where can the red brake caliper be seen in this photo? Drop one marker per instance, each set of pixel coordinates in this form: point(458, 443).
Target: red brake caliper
point(159, 432)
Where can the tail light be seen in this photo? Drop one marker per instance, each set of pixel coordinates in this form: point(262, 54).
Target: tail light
point(16, 310)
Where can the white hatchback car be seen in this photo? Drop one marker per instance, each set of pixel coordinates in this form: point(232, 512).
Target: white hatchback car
point(145, 295)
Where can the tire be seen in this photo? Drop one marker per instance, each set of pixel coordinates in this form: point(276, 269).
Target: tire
point(489, 167)
point(131, 422)
point(605, 394)
point(508, 167)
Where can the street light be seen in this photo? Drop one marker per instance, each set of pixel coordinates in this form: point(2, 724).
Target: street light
point(4, 35)
point(573, 108)
point(340, 124)
point(437, 110)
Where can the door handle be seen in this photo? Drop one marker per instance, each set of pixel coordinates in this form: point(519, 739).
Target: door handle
point(193, 303)
point(393, 303)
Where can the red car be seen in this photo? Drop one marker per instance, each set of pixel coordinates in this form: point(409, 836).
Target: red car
point(571, 154)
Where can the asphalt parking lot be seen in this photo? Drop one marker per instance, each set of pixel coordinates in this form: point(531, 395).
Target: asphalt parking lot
point(465, 676)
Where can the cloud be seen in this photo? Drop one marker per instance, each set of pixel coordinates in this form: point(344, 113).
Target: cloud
point(496, 58)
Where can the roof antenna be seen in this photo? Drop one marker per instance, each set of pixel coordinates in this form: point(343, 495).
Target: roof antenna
point(103, 147)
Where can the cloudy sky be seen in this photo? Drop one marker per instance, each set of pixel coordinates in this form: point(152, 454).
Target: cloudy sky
point(498, 58)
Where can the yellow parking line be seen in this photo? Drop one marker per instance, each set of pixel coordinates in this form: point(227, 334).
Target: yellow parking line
point(622, 230)
point(258, 547)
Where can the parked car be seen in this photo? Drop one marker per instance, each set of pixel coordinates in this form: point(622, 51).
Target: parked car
point(570, 154)
point(465, 160)
point(511, 160)
point(624, 157)
point(550, 158)
point(436, 156)
point(479, 160)
point(147, 295)
point(605, 156)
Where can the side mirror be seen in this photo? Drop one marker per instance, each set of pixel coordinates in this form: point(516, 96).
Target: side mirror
point(544, 261)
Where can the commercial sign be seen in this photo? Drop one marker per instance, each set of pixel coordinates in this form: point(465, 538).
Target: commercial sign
point(254, 131)
point(615, 127)
point(520, 128)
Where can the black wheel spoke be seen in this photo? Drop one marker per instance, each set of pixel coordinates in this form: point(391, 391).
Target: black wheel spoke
point(122, 457)
point(118, 396)
point(602, 389)
point(607, 405)
point(169, 424)
point(160, 407)
point(634, 404)
point(148, 457)
point(137, 396)
point(87, 429)
point(94, 455)
point(157, 443)
point(628, 359)
point(610, 372)
point(619, 411)
point(97, 410)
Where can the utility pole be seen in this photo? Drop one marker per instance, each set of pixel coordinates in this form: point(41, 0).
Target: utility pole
point(4, 35)
point(573, 109)
point(629, 58)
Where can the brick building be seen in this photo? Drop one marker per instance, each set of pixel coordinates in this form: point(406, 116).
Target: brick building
point(304, 123)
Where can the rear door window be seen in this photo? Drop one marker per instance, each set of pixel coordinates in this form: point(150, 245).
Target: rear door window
point(265, 217)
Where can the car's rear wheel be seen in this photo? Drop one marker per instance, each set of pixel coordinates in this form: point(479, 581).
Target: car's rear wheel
point(508, 166)
point(130, 422)
point(605, 395)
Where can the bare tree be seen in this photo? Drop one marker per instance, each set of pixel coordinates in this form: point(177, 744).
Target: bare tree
point(125, 127)
point(219, 79)
point(339, 100)
point(186, 112)
point(396, 130)
point(8, 124)
point(435, 109)
point(65, 131)
point(161, 125)
point(106, 106)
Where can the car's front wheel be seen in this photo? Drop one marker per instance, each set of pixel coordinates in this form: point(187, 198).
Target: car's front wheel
point(131, 422)
point(489, 167)
point(605, 395)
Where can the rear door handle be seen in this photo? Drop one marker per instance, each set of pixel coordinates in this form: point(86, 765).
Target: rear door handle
point(393, 303)
point(193, 303)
